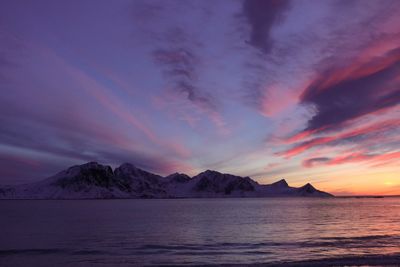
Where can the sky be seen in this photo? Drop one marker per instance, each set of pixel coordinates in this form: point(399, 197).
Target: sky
point(304, 90)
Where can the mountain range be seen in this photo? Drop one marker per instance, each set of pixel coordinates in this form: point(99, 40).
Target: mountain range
point(95, 181)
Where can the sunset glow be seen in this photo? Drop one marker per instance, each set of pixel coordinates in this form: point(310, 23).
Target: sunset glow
point(308, 91)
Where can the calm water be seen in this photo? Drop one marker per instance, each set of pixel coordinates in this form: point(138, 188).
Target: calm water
point(195, 231)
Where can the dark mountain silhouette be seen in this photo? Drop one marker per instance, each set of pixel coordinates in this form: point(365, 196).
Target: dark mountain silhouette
point(93, 180)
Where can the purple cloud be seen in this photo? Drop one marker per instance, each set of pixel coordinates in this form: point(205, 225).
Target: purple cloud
point(180, 66)
point(342, 95)
point(261, 16)
point(314, 161)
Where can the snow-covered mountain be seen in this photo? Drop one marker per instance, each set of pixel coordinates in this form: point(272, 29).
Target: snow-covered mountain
point(93, 180)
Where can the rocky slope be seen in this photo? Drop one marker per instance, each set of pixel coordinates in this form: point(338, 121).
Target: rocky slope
point(96, 181)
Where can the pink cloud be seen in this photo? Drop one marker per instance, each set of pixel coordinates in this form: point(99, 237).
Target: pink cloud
point(276, 100)
point(363, 130)
point(278, 97)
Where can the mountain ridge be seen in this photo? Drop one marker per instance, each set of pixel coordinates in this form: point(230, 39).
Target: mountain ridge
point(96, 181)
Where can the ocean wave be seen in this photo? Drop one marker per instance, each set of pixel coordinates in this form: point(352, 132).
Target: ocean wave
point(358, 241)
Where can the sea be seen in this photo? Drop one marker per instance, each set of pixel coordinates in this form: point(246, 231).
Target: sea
point(207, 232)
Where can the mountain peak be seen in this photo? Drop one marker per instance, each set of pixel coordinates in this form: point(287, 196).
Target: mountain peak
point(93, 165)
point(128, 169)
point(209, 173)
point(280, 183)
point(178, 177)
point(127, 165)
point(308, 186)
point(309, 190)
point(80, 176)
